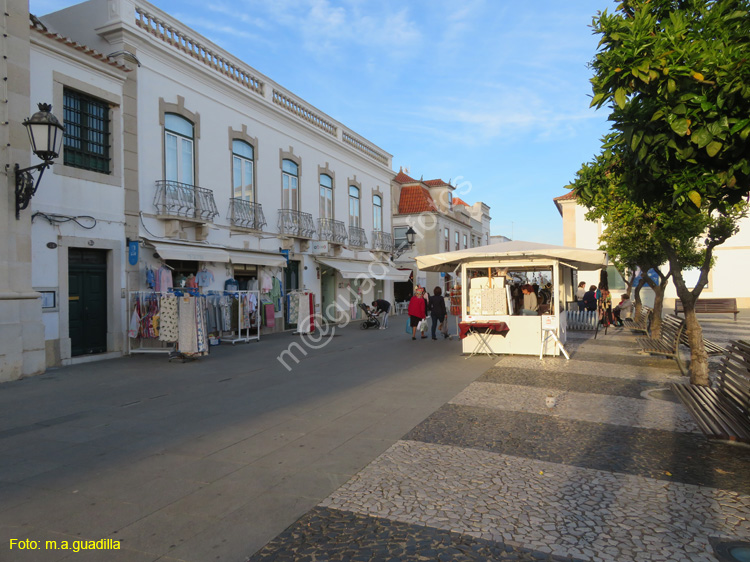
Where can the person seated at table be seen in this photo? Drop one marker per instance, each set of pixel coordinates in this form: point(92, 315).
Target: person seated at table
point(624, 309)
point(530, 302)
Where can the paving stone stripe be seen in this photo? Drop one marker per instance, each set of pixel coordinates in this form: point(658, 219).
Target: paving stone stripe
point(324, 534)
point(597, 408)
point(575, 382)
point(553, 508)
point(663, 455)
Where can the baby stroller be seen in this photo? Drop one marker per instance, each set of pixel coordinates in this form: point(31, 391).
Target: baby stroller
point(371, 321)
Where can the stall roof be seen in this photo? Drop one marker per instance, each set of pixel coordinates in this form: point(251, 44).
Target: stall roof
point(257, 258)
point(351, 269)
point(519, 250)
point(189, 252)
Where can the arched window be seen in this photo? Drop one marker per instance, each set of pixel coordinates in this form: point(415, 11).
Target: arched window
point(242, 171)
point(326, 196)
point(354, 206)
point(178, 149)
point(290, 185)
point(377, 212)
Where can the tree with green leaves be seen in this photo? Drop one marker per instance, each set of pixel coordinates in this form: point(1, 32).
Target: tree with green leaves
point(676, 75)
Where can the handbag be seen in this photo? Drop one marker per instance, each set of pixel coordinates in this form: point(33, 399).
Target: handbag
point(422, 326)
point(408, 325)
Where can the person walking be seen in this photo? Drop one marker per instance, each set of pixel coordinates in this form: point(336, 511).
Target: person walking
point(417, 311)
point(383, 307)
point(437, 310)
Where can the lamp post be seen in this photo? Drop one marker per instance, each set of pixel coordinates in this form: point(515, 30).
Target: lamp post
point(410, 235)
point(45, 136)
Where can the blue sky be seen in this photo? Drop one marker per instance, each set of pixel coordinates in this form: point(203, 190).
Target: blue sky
point(490, 94)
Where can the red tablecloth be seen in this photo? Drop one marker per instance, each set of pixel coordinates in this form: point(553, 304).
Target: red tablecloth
point(493, 326)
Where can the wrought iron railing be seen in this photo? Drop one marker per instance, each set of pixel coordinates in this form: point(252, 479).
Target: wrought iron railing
point(296, 223)
point(331, 230)
point(357, 237)
point(175, 199)
point(244, 214)
point(382, 241)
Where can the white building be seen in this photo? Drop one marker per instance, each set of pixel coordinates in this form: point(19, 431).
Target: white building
point(187, 157)
point(725, 280)
point(442, 222)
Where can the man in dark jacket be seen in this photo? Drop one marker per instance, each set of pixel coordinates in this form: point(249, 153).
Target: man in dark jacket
point(437, 310)
point(589, 298)
point(383, 307)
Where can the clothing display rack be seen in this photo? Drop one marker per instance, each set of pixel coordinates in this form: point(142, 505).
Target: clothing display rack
point(300, 306)
point(177, 319)
point(234, 315)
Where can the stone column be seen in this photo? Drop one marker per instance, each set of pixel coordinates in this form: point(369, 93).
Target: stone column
point(21, 328)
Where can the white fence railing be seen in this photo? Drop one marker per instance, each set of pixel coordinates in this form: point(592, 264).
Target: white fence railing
point(582, 319)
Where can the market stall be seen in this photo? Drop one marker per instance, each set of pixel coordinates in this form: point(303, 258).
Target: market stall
point(514, 294)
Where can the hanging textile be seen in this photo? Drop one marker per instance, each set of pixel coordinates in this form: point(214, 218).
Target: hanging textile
point(169, 328)
point(270, 315)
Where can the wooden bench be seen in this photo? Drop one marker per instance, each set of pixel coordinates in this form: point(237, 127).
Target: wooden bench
point(723, 412)
point(711, 348)
point(641, 322)
point(710, 306)
point(668, 344)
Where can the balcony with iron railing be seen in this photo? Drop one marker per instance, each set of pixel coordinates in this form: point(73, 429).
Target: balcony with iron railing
point(332, 230)
point(382, 241)
point(184, 201)
point(296, 224)
point(357, 237)
point(245, 214)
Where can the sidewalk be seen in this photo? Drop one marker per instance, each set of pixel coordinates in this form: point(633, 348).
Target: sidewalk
point(208, 460)
point(615, 471)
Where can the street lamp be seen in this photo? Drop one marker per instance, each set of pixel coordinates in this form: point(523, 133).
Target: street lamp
point(410, 235)
point(45, 136)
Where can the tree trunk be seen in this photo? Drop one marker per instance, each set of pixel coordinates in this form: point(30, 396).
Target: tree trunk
point(637, 297)
point(658, 308)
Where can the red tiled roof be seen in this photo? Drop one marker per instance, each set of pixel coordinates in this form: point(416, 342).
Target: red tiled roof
point(434, 183)
point(459, 201)
point(39, 27)
point(401, 177)
point(568, 196)
point(415, 199)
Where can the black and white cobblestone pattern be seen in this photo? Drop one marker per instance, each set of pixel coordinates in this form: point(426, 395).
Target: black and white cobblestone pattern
point(549, 507)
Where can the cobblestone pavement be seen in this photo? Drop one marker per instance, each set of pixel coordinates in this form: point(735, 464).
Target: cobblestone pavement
point(616, 470)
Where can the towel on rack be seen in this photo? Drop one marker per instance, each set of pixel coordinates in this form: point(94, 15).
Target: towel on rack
point(270, 314)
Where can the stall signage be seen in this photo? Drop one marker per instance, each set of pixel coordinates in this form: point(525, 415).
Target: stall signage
point(133, 252)
point(319, 247)
point(548, 322)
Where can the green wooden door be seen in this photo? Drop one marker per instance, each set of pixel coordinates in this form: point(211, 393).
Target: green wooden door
point(87, 301)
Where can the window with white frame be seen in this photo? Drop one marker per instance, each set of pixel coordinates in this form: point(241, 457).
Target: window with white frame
point(377, 212)
point(466, 241)
point(178, 149)
point(447, 234)
point(455, 237)
point(326, 196)
point(354, 206)
point(289, 185)
point(242, 170)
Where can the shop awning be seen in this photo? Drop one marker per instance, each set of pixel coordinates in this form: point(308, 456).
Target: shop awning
point(190, 252)
point(352, 269)
point(579, 258)
point(257, 258)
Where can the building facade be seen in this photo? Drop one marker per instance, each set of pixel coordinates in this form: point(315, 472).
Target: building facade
point(178, 155)
point(731, 267)
point(443, 223)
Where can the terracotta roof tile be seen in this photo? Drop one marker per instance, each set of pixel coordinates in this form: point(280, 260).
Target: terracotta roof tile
point(434, 183)
point(401, 177)
point(459, 201)
point(40, 28)
point(568, 196)
point(416, 199)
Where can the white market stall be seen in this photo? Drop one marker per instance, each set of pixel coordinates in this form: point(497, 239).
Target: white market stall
point(490, 316)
